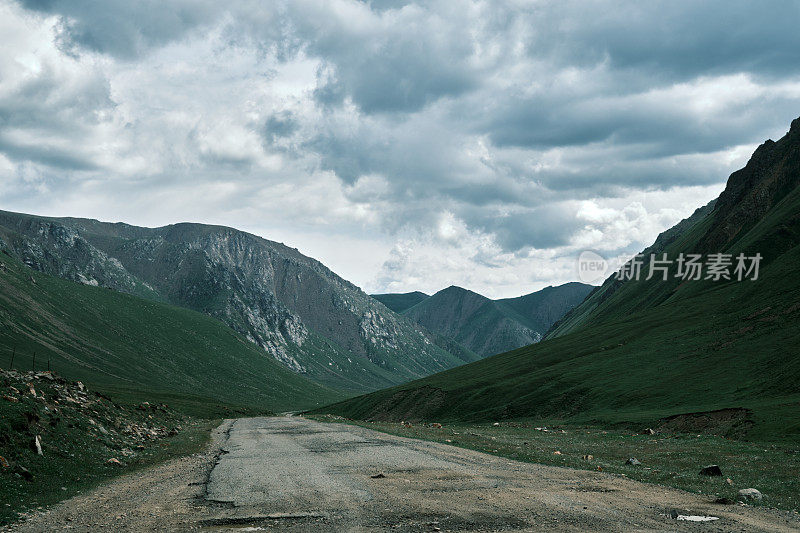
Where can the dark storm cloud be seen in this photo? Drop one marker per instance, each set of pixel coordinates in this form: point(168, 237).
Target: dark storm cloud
point(123, 28)
point(547, 226)
point(395, 61)
point(674, 40)
point(279, 125)
point(46, 155)
point(652, 127)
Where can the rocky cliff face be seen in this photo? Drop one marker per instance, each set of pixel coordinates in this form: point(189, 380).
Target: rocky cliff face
point(771, 173)
point(292, 306)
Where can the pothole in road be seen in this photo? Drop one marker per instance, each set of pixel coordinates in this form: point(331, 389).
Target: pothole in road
point(340, 447)
point(407, 522)
point(594, 488)
point(258, 523)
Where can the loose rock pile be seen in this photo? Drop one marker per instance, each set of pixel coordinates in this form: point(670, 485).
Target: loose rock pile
point(44, 415)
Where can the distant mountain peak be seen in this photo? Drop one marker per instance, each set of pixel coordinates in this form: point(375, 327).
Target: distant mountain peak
point(488, 326)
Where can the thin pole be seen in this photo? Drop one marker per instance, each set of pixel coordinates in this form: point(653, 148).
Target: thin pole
point(12, 357)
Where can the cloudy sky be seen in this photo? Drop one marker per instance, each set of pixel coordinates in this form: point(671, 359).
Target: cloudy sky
point(407, 145)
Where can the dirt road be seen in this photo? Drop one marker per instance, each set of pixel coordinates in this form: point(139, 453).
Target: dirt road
point(292, 474)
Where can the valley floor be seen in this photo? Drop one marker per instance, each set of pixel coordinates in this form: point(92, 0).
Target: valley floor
point(295, 474)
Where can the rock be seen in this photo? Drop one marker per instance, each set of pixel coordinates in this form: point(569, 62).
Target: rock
point(23, 472)
point(633, 461)
point(436, 425)
point(750, 495)
point(380, 475)
point(557, 453)
point(496, 424)
point(649, 431)
point(114, 461)
point(711, 470)
point(407, 424)
point(729, 481)
point(588, 457)
point(37, 445)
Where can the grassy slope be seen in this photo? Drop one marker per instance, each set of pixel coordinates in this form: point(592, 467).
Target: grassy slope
point(540, 309)
point(402, 301)
point(472, 320)
point(135, 348)
point(704, 346)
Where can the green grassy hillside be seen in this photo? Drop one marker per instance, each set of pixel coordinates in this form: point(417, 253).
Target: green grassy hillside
point(399, 302)
point(651, 350)
point(139, 349)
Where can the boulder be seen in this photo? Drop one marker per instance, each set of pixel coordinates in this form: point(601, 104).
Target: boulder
point(711, 470)
point(750, 495)
point(633, 461)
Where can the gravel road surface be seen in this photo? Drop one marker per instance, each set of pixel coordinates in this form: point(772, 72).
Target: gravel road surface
point(292, 474)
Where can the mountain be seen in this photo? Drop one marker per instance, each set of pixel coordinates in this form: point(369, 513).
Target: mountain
point(402, 301)
point(541, 309)
point(485, 326)
point(139, 349)
point(291, 306)
point(716, 353)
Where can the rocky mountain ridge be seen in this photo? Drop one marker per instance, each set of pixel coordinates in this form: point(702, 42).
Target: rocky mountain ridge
point(292, 306)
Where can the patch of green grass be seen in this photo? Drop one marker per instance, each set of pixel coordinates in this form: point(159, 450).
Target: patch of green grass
point(672, 460)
